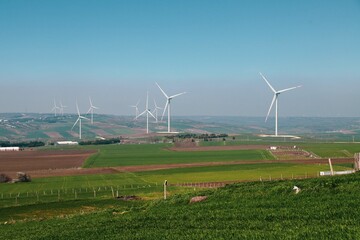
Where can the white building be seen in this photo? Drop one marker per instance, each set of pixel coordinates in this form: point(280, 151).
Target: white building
point(9, 149)
point(66, 143)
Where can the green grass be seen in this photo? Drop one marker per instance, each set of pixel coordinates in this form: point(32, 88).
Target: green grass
point(245, 172)
point(333, 149)
point(324, 150)
point(147, 154)
point(326, 208)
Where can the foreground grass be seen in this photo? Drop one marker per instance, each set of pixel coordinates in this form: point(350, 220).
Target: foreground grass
point(325, 208)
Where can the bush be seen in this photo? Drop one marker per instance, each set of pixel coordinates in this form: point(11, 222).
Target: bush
point(4, 178)
point(23, 177)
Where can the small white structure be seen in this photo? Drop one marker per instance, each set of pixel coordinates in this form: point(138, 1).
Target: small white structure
point(273, 148)
point(329, 173)
point(297, 189)
point(67, 143)
point(9, 149)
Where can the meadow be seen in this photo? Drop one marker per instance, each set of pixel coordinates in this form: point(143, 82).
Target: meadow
point(324, 150)
point(149, 154)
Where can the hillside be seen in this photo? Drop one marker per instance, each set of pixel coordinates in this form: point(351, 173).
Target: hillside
point(325, 208)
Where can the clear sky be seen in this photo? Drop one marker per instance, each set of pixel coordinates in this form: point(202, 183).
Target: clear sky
point(214, 50)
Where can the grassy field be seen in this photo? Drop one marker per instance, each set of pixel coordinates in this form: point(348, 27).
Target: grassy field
point(325, 208)
point(147, 154)
point(148, 183)
point(324, 150)
point(246, 172)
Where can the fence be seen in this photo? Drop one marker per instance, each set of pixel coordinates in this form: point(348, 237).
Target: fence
point(54, 195)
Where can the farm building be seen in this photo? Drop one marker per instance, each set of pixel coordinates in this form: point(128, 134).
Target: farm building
point(66, 143)
point(9, 149)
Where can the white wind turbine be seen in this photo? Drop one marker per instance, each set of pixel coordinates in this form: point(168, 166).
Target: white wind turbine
point(275, 99)
point(91, 110)
point(147, 111)
point(78, 120)
point(62, 108)
point(55, 108)
point(136, 109)
point(156, 110)
point(167, 105)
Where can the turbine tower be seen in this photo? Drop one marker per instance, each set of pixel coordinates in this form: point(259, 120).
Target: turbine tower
point(91, 110)
point(136, 109)
point(156, 110)
point(167, 105)
point(147, 111)
point(78, 120)
point(55, 108)
point(275, 99)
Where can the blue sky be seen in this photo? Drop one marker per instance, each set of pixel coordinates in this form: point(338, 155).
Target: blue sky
point(116, 50)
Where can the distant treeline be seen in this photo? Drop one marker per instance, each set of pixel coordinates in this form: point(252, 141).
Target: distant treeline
point(201, 136)
point(22, 144)
point(101, 141)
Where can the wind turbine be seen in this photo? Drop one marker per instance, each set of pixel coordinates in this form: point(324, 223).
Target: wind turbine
point(78, 120)
point(147, 111)
point(136, 109)
point(167, 105)
point(55, 108)
point(62, 108)
point(275, 99)
point(91, 110)
point(156, 110)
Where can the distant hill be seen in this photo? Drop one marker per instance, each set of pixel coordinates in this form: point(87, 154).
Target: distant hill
point(47, 127)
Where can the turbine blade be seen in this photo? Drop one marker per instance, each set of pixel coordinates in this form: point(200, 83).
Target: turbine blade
point(90, 102)
point(166, 105)
point(140, 114)
point(89, 110)
point(75, 123)
point(288, 89)
point(84, 117)
point(162, 90)
point(151, 115)
point(77, 108)
point(271, 105)
point(268, 83)
point(176, 95)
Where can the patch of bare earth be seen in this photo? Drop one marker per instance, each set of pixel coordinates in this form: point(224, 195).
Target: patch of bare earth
point(54, 135)
point(27, 161)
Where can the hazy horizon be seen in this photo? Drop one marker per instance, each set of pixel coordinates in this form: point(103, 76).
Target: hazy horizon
point(115, 51)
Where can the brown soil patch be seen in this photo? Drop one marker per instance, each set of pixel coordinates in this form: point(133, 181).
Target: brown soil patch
point(54, 135)
point(26, 161)
point(219, 148)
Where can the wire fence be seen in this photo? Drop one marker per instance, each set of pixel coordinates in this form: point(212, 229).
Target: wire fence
point(56, 195)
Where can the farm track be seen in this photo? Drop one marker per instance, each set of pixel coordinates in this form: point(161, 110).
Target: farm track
point(143, 168)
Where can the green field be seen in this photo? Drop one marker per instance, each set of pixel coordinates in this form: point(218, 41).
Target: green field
point(325, 208)
point(324, 150)
point(148, 154)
